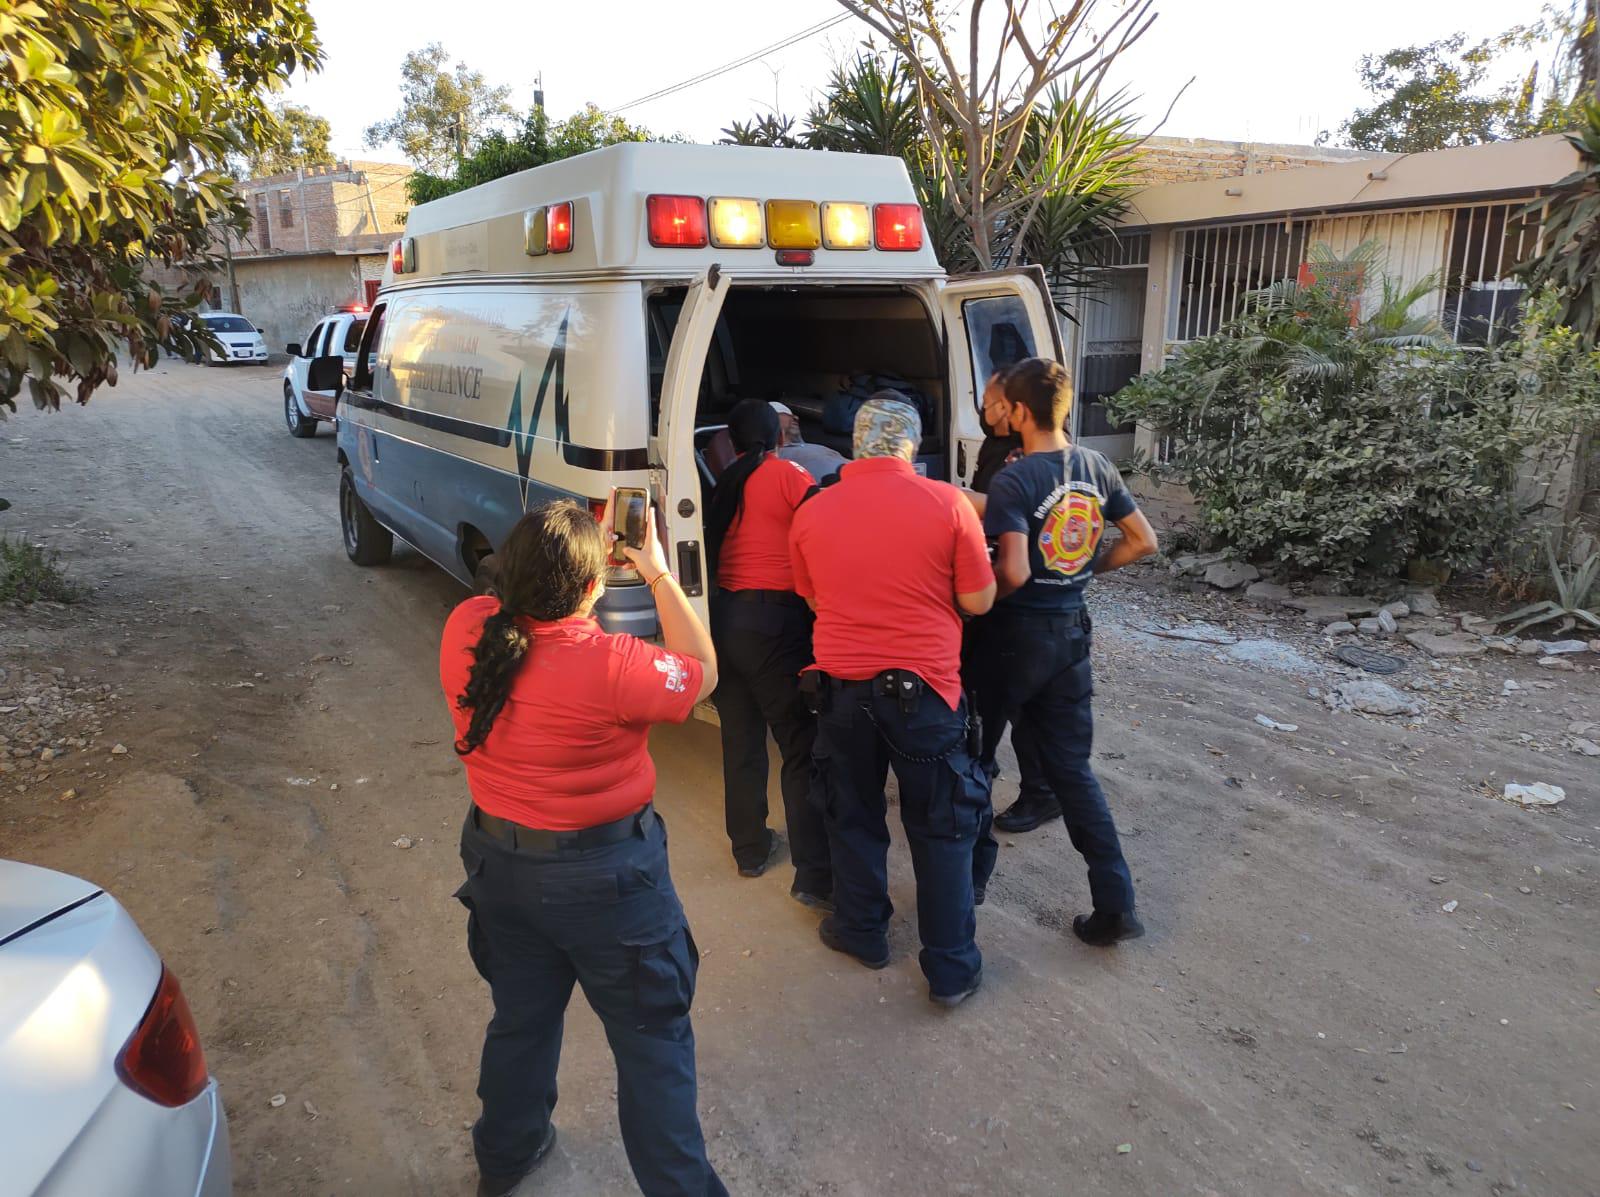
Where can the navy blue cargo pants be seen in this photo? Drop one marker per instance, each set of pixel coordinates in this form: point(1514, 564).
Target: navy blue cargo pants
point(1043, 664)
point(609, 919)
point(944, 795)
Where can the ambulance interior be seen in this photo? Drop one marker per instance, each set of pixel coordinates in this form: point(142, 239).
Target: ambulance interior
point(819, 351)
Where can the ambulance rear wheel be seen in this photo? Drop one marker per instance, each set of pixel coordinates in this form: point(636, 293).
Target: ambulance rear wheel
point(366, 541)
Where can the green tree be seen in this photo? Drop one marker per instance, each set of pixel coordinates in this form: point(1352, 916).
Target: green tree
point(536, 143)
point(301, 139)
point(444, 113)
point(118, 121)
point(1435, 96)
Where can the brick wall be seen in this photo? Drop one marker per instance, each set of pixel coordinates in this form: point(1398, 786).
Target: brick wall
point(349, 206)
point(1185, 159)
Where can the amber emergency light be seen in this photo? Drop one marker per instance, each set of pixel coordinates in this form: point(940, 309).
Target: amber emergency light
point(793, 224)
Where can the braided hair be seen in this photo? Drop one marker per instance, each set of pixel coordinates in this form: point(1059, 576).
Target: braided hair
point(548, 566)
point(755, 431)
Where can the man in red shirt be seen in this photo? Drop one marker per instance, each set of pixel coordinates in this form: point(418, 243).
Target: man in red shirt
point(889, 560)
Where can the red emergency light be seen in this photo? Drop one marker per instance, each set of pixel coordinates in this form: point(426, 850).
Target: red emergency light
point(676, 221)
point(558, 228)
point(897, 226)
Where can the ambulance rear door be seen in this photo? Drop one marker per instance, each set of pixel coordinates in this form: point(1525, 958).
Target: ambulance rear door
point(992, 320)
point(674, 474)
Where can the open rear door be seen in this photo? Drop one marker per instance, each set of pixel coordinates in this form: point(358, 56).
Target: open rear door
point(674, 476)
point(991, 321)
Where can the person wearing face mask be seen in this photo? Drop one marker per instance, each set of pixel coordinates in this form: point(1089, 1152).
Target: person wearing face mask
point(1049, 513)
point(1035, 803)
point(565, 855)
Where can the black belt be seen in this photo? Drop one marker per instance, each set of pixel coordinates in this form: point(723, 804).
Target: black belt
point(787, 598)
point(537, 839)
point(1076, 617)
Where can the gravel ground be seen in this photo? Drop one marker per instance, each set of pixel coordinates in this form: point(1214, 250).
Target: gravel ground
point(1305, 1016)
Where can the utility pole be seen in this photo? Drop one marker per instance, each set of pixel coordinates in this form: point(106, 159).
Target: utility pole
point(233, 279)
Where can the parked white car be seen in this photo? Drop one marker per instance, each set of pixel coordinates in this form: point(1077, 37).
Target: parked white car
point(103, 1085)
point(338, 334)
point(240, 340)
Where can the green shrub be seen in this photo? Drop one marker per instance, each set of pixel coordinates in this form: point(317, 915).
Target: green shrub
point(1351, 448)
point(30, 574)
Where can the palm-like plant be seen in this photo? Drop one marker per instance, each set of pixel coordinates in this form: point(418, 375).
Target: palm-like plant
point(1571, 603)
point(1315, 332)
point(1056, 228)
point(870, 107)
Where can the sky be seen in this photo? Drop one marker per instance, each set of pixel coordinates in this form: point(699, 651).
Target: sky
point(1263, 70)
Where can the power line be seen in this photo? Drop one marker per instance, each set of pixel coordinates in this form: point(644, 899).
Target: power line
point(745, 60)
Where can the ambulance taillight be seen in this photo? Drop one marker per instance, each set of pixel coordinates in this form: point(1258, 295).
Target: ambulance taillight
point(558, 230)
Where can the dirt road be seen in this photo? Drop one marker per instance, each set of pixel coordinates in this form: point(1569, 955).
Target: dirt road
point(1303, 1017)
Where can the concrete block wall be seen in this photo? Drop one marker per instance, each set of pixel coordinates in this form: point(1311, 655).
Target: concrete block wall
point(285, 297)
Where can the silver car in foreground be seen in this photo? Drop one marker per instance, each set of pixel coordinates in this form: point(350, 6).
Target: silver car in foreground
point(103, 1086)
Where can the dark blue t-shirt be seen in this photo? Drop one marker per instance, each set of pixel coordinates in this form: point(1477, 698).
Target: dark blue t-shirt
point(1062, 502)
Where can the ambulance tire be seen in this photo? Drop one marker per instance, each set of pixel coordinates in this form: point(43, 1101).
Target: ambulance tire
point(299, 425)
point(366, 541)
point(486, 575)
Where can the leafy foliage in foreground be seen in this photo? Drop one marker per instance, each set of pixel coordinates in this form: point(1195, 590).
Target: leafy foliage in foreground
point(119, 121)
point(1357, 447)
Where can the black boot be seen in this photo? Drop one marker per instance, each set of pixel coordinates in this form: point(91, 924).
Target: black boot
point(1101, 930)
point(503, 1186)
point(1028, 812)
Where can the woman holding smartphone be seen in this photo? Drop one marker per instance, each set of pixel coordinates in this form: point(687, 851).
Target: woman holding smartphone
point(566, 859)
point(763, 637)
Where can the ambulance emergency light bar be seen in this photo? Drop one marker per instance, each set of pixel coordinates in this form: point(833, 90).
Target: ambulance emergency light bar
point(793, 227)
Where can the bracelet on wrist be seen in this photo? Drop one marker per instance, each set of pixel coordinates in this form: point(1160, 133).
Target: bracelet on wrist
point(664, 575)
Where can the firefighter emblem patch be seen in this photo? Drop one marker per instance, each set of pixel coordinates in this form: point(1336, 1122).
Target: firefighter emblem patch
point(1071, 534)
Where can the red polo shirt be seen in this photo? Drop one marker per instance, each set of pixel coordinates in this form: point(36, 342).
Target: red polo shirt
point(755, 553)
point(882, 554)
point(569, 749)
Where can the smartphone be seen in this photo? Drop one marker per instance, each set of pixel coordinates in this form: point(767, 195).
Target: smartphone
point(630, 507)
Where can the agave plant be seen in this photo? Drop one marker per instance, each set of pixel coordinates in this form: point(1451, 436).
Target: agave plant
point(1572, 596)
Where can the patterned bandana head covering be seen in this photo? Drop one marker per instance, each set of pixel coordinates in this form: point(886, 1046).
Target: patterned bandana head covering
point(887, 425)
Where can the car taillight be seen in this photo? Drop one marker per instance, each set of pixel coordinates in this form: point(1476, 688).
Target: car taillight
point(162, 1059)
point(897, 226)
point(676, 221)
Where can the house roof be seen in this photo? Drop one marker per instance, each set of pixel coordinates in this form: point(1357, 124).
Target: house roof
point(1387, 181)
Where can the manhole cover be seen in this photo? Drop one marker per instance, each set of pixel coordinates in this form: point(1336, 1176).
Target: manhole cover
point(1369, 659)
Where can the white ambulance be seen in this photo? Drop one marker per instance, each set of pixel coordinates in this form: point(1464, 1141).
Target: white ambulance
point(589, 324)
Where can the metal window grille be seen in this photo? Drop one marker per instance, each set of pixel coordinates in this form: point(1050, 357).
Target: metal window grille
point(1468, 249)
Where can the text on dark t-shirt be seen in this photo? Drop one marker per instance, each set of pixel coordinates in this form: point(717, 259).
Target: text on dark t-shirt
point(1062, 502)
